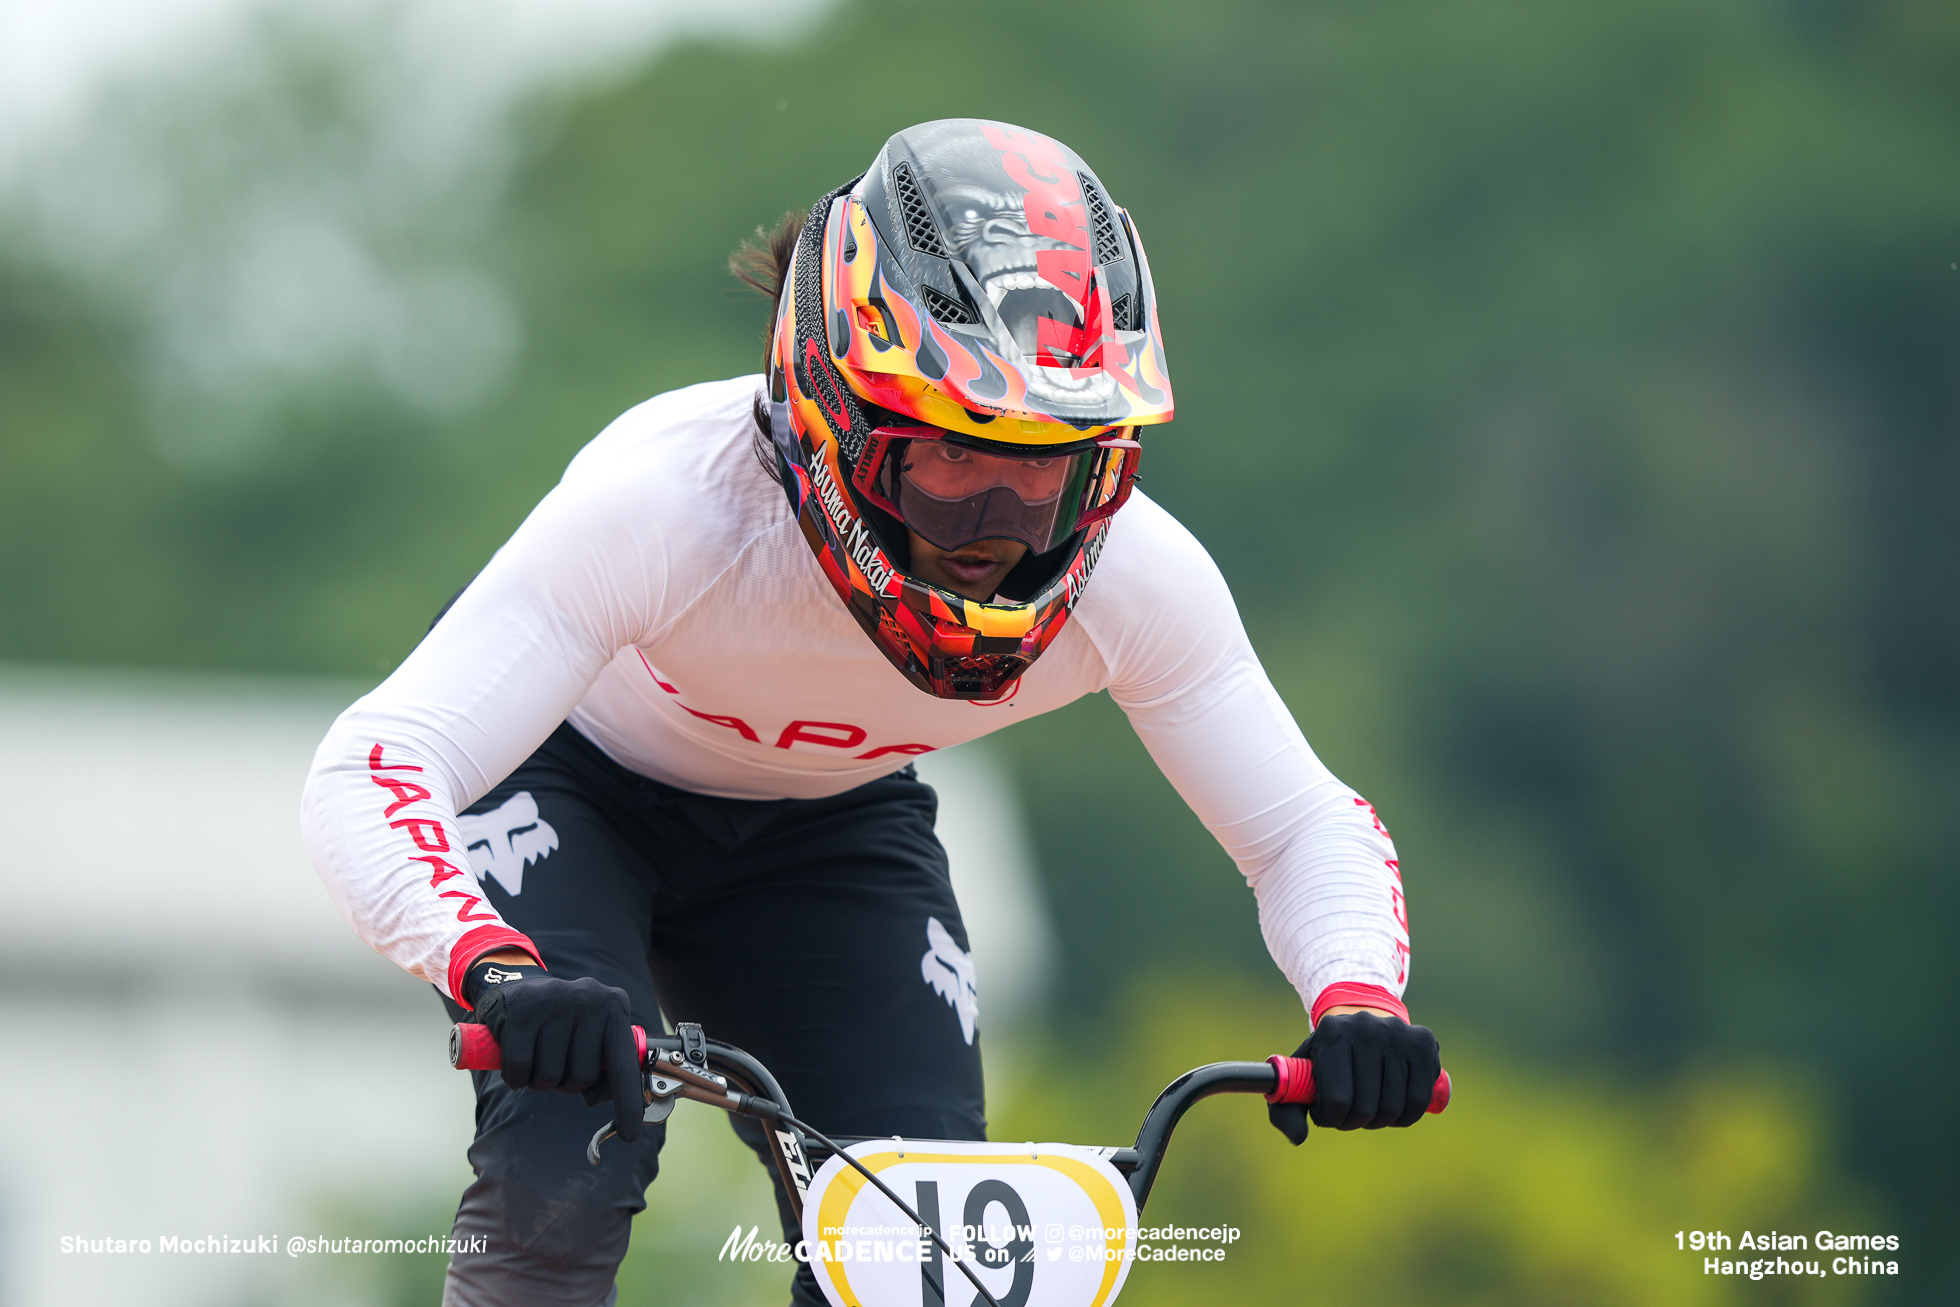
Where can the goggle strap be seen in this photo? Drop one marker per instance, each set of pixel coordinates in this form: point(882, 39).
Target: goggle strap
point(1126, 479)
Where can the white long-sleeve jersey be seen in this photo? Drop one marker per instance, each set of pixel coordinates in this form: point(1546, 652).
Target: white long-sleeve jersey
point(663, 600)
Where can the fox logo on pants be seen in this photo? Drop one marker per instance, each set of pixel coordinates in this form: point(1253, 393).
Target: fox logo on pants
point(506, 840)
point(948, 968)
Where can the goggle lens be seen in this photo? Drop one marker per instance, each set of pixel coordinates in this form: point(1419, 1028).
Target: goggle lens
point(950, 472)
point(953, 496)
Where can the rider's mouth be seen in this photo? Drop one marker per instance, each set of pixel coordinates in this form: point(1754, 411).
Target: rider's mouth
point(970, 568)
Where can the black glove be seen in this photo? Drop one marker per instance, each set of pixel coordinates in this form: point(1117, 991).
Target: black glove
point(572, 1036)
point(1368, 1072)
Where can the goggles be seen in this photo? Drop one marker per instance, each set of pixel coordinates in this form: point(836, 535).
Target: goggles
point(953, 493)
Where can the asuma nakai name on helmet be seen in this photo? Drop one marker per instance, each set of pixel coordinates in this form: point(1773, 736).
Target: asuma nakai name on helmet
point(1077, 575)
point(849, 527)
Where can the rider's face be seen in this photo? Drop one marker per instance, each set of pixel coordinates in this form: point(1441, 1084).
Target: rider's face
point(974, 570)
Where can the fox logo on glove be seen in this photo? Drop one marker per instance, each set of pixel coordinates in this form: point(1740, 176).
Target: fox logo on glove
point(506, 840)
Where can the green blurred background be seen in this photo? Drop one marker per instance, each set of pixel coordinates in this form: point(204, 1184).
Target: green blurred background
point(1567, 391)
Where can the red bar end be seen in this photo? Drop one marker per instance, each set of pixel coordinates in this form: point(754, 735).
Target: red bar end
point(1295, 1082)
point(473, 1048)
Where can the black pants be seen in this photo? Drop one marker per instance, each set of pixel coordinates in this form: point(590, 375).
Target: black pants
point(795, 929)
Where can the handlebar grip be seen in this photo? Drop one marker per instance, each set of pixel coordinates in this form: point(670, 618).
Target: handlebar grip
point(1295, 1083)
point(473, 1048)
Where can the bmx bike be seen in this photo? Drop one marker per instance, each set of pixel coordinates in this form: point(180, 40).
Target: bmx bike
point(1082, 1201)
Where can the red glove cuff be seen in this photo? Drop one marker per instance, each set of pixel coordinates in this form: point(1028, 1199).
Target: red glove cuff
point(1351, 994)
point(473, 945)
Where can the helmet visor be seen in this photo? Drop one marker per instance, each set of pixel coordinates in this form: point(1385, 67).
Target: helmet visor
point(952, 495)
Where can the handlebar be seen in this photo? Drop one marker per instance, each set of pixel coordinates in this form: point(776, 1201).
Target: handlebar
point(473, 1048)
point(1278, 1079)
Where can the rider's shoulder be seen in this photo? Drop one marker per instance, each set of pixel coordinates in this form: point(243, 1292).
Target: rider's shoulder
point(689, 439)
point(1150, 557)
point(1154, 598)
point(680, 463)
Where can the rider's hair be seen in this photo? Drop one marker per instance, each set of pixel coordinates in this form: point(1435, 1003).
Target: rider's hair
point(762, 263)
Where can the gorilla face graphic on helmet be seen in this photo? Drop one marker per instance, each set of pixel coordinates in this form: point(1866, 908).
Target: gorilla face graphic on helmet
point(988, 230)
point(1031, 224)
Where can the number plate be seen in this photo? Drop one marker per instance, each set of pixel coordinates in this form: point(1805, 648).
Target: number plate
point(1042, 1225)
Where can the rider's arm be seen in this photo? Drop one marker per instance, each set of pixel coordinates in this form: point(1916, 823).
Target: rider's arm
point(1321, 865)
point(579, 580)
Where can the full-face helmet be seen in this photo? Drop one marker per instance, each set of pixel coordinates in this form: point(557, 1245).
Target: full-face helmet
point(966, 348)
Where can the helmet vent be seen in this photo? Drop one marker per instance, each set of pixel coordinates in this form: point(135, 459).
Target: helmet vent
point(1109, 243)
point(920, 232)
point(947, 308)
point(815, 374)
point(1123, 312)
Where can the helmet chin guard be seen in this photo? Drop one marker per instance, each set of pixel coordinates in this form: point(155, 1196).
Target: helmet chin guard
point(977, 288)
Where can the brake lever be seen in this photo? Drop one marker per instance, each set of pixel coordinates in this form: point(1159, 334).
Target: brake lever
point(662, 1093)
